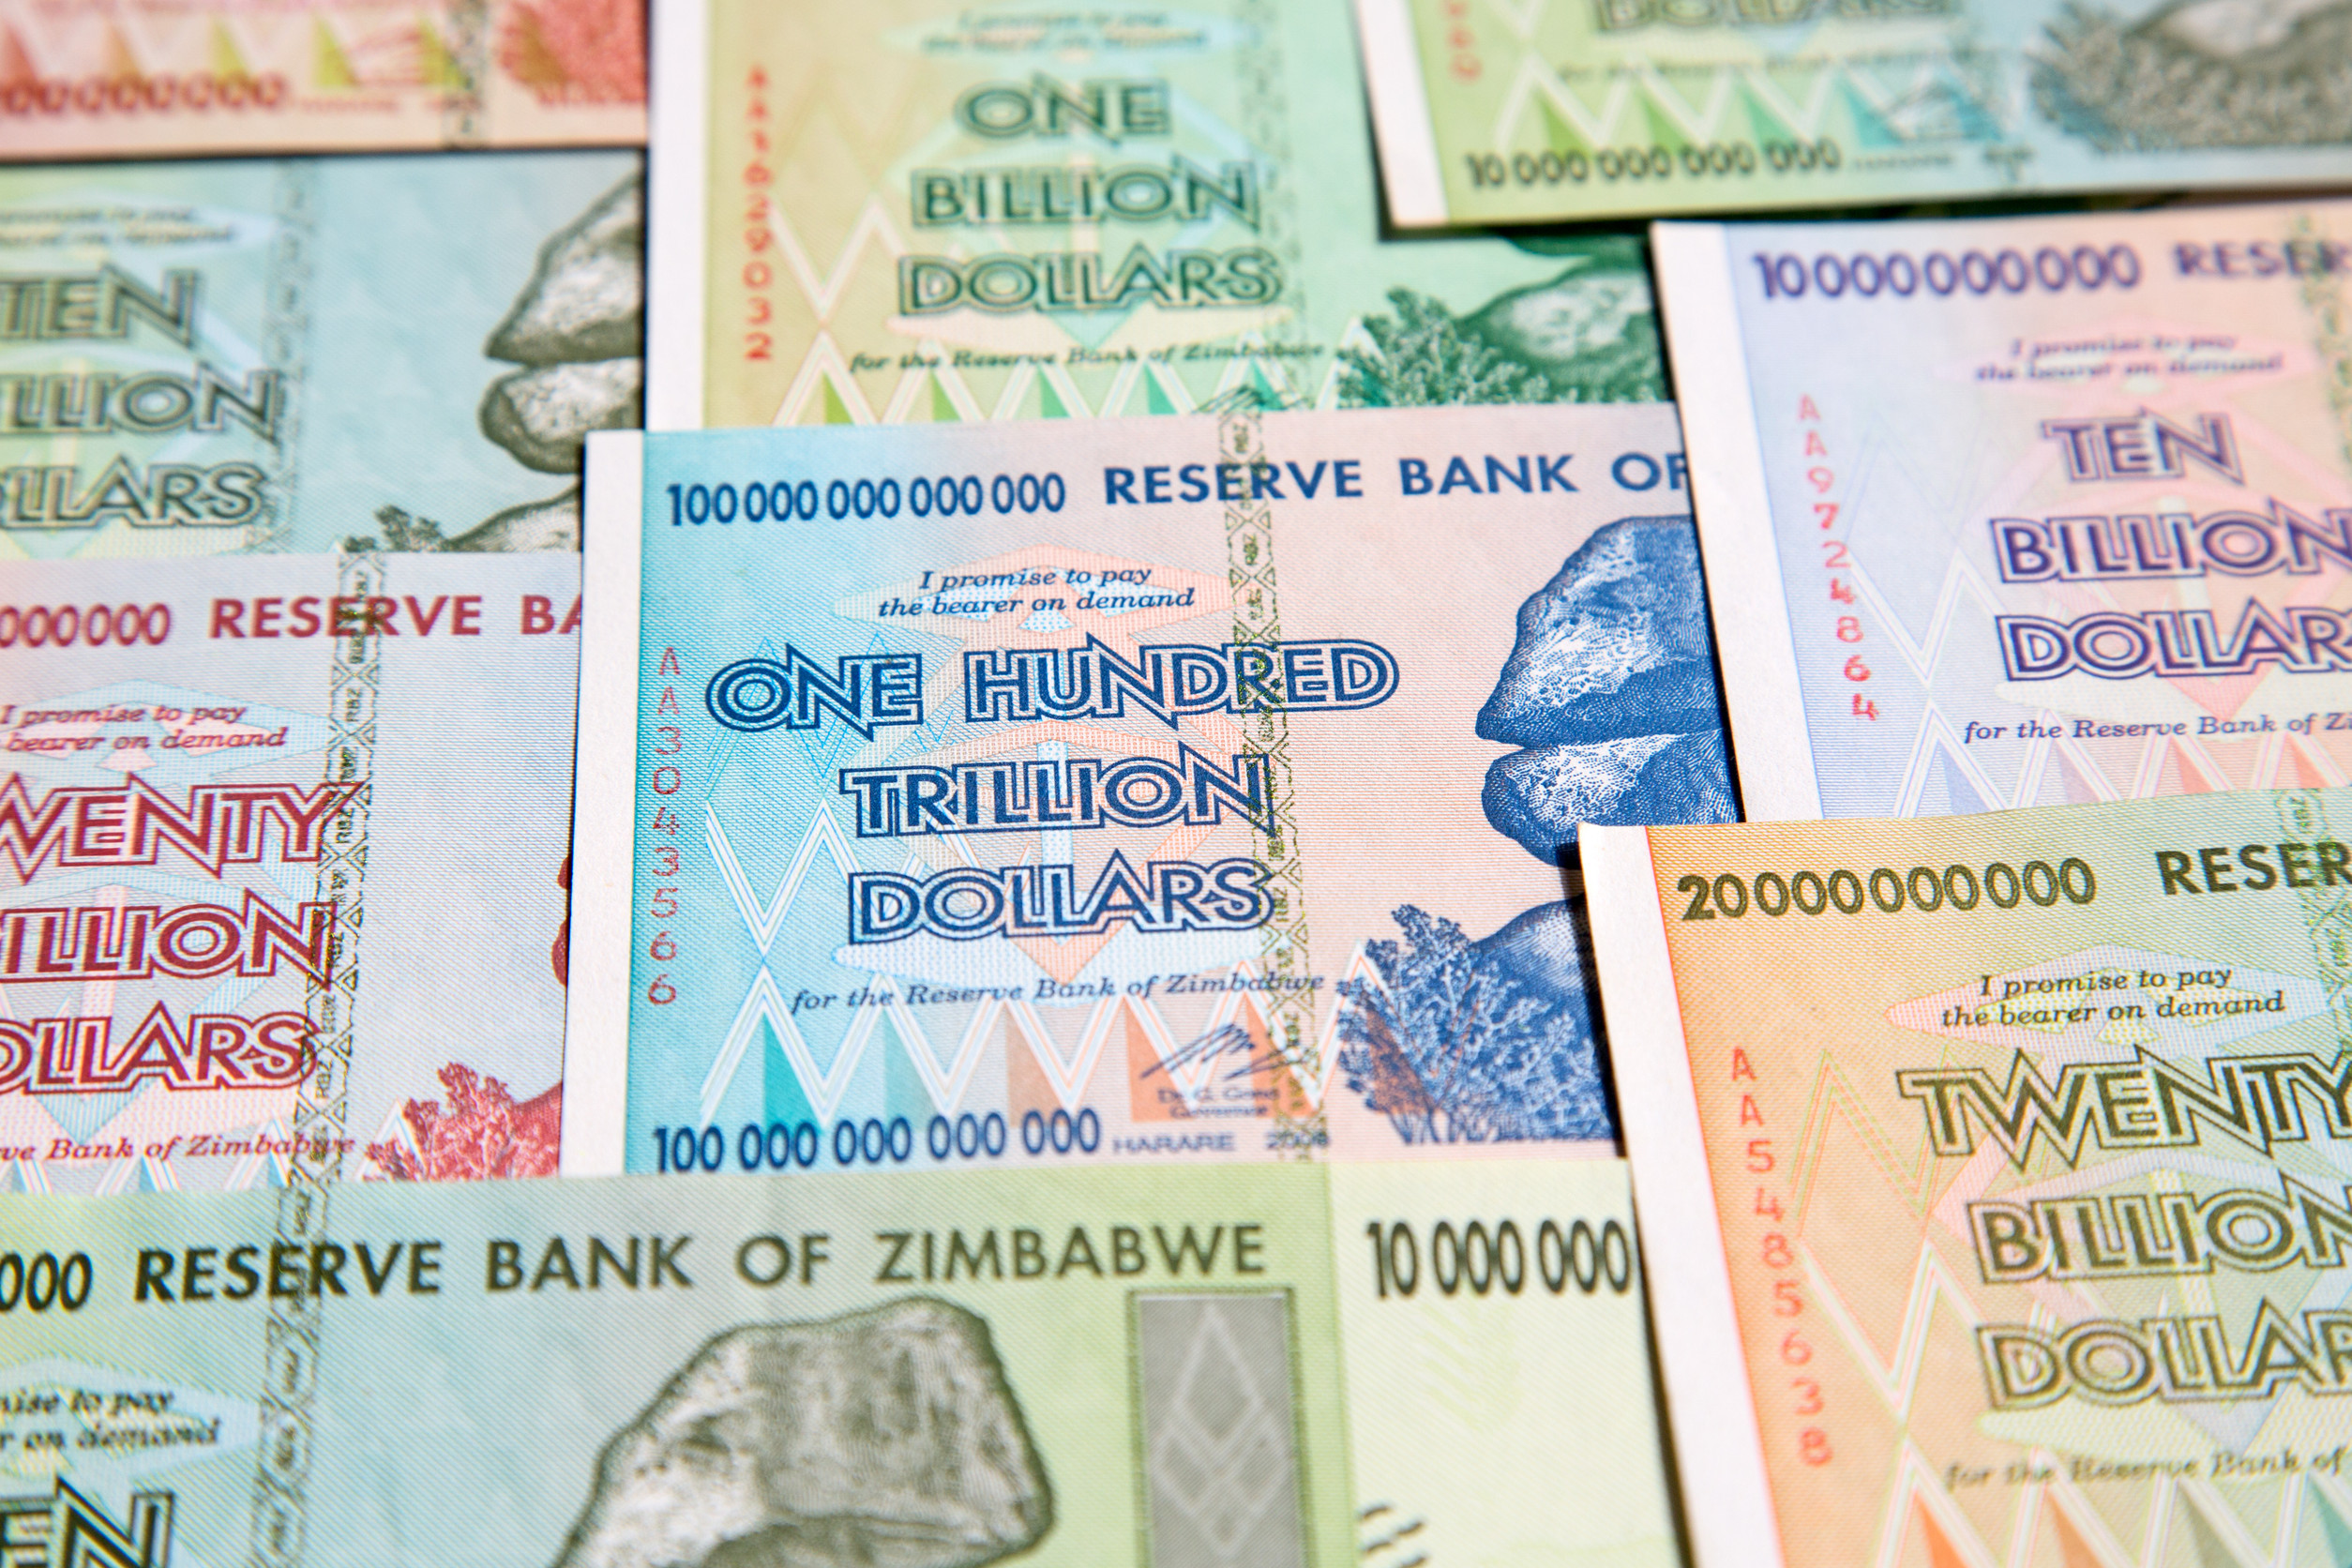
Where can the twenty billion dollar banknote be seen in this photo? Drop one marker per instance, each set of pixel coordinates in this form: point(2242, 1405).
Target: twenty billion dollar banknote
point(1992, 1173)
point(2024, 511)
point(1272, 1365)
point(1581, 109)
point(264, 823)
point(1160, 789)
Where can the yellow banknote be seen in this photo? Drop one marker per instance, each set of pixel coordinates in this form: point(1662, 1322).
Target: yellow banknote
point(1992, 1175)
point(921, 211)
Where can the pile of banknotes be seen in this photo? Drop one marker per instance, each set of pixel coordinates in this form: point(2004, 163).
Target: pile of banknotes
point(972, 782)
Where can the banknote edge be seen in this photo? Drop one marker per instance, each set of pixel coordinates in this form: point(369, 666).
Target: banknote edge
point(677, 170)
point(1698, 307)
point(1402, 131)
point(604, 814)
point(1711, 1406)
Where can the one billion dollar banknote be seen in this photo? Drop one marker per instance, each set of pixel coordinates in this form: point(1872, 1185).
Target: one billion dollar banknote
point(1992, 1172)
point(1582, 109)
point(290, 354)
point(1160, 789)
point(1273, 1366)
point(1072, 213)
point(87, 79)
point(281, 864)
point(2025, 511)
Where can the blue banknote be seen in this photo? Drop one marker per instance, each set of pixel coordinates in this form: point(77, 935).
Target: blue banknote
point(1203, 788)
point(282, 850)
point(286, 354)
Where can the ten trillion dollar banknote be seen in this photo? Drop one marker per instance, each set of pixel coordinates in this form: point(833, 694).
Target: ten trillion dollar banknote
point(1580, 109)
point(1166, 788)
point(913, 210)
point(283, 356)
point(1992, 1174)
point(136, 78)
point(2028, 511)
point(1253, 1367)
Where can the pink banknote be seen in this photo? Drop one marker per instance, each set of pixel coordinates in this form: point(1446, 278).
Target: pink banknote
point(142, 78)
point(1992, 1173)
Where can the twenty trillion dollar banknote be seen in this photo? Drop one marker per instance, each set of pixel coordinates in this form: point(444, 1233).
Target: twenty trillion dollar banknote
point(1164, 788)
point(1062, 1367)
point(2025, 511)
point(264, 823)
point(1992, 1172)
point(1580, 109)
point(287, 354)
point(914, 210)
point(89, 78)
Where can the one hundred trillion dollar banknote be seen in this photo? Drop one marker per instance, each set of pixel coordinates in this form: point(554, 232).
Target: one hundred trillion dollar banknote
point(2024, 511)
point(916, 210)
point(1276, 1365)
point(1190, 789)
point(1550, 109)
point(1992, 1174)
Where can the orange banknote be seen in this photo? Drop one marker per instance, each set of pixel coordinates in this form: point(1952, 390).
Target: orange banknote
point(144, 78)
point(1992, 1174)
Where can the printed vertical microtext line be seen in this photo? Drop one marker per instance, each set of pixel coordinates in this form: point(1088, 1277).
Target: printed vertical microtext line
point(2323, 297)
point(465, 54)
point(2326, 916)
point(286, 336)
point(322, 1102)
point(1258, 620)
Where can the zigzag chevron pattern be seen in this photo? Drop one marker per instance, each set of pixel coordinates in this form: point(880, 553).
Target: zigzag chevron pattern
point(2055, 1512)
point(824, 371)
point(1640, 95)
point(2054, 1524)
point(1934, 740)
point(1069, 1073)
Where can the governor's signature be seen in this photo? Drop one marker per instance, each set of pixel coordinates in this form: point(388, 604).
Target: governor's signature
point(1227, 1040)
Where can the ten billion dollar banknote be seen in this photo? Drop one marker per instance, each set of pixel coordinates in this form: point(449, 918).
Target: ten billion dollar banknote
point(137, 77)
point(914, 210)
point(1274, 1365)
point(1581, 109)
point(268, 826)
point(2025, 511)
point(1992, 1174)
point(1159, 788)
point(289, 354)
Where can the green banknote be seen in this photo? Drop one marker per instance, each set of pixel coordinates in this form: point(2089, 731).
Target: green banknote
point(924, 210)
point(1527, 110)
point(1283, 1365)
point(287, 354)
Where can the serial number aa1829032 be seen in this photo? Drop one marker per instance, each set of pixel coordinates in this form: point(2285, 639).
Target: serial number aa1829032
point(946, 495)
